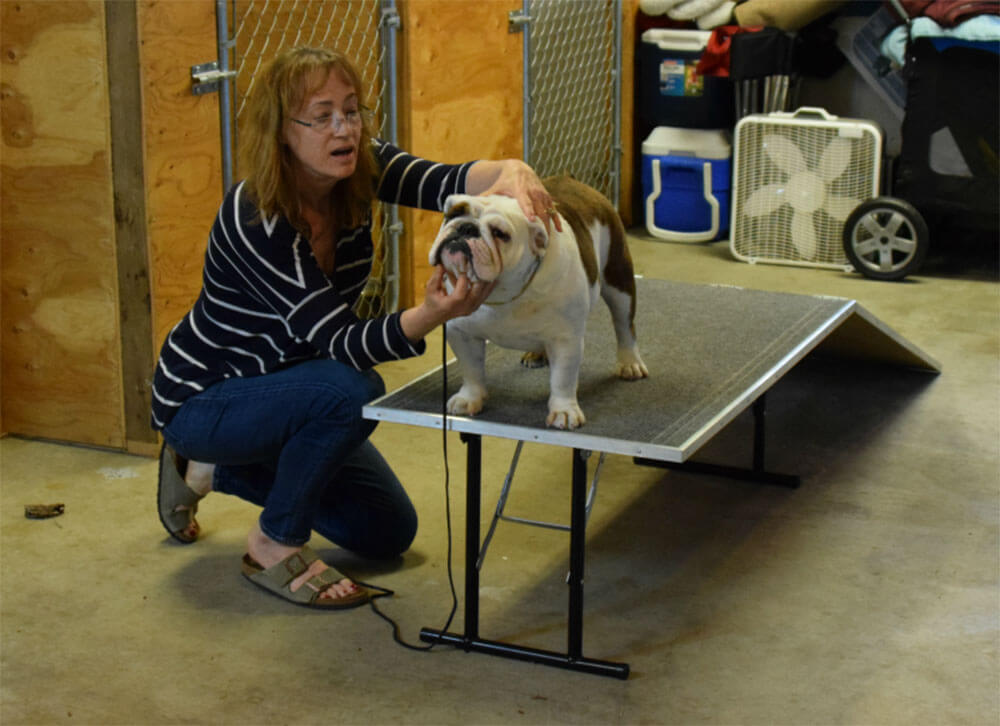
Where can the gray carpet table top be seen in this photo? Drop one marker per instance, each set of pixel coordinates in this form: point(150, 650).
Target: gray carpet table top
point(711, 351)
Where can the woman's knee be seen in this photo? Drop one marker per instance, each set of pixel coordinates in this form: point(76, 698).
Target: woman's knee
point(406, 531)
point(392, 540)
point(377, 528)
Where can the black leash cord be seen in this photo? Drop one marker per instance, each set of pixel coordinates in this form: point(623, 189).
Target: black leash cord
point(384, 592)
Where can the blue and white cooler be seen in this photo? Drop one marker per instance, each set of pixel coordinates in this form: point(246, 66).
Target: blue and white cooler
point(686, 183)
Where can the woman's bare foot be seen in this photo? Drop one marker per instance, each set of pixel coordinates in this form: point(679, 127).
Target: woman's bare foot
point(198, 476)
point(266, 552)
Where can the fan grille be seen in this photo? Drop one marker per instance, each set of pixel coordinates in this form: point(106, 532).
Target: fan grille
point(758, 162)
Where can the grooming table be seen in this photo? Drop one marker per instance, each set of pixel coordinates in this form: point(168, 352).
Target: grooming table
point(712, 351)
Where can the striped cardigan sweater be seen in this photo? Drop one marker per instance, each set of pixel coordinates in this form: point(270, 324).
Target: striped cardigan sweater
point(265, 304)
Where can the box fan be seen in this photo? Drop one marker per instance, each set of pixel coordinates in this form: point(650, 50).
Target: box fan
point(797, 176)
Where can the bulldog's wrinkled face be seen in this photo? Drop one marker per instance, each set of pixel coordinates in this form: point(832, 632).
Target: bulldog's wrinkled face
point(485, 237)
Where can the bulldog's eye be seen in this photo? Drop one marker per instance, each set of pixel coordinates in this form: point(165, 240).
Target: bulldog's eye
point(499, 234)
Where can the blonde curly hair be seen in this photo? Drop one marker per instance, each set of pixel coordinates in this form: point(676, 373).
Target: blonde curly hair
point(265, 159)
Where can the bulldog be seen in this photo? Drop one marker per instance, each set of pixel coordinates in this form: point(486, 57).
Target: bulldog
point(546, 285)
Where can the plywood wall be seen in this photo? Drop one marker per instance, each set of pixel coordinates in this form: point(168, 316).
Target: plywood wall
point(183, 167)
point(60, 362)
point(67, 331)
point(460, 98)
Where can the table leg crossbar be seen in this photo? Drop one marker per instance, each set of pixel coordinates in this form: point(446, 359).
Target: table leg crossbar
point(499, 514)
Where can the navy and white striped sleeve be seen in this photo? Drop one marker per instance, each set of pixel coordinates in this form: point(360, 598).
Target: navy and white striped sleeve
point(414, 182)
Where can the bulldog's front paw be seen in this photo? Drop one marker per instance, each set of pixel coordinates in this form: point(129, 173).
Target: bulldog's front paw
point(466, 403)
point(565, 414)
point(631, 367)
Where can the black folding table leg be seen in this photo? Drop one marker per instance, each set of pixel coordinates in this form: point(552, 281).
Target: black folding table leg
point(470, 640)
point(577, 543)
point(756, 473)
point(473, 491)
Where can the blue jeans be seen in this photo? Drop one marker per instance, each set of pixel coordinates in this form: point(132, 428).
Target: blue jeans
point(294, 442)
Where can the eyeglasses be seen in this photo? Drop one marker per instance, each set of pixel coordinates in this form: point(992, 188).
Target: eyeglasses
point(337, 121)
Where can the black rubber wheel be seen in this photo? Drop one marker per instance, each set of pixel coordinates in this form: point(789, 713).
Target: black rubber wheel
point(886, 238)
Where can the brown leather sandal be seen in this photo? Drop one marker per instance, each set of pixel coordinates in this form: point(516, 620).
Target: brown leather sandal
point(277, 578)
point(175, 500)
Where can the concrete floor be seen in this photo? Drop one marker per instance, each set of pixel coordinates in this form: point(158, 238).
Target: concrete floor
point(867, 596)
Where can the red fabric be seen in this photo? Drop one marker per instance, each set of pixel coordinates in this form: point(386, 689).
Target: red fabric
point(913, 8)
point(959, 12)
point(949, 13)
point(715, 58)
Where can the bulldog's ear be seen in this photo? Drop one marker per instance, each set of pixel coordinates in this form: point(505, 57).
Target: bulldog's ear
point(538, 237)
point(456, 205)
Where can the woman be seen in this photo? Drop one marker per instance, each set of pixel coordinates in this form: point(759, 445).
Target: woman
point(258, 390)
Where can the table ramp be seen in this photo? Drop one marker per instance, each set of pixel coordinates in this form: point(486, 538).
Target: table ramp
point(712, 350)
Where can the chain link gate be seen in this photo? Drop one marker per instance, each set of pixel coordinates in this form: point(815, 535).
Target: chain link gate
point(365, 31)
point(572, 89)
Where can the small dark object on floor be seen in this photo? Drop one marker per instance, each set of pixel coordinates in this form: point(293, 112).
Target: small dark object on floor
point(43, 511)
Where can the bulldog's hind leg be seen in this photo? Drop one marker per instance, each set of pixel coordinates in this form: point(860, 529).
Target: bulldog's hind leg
point(621, 304)
point(471, 354)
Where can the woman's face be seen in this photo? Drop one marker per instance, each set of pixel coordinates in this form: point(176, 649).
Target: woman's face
point(323, 134)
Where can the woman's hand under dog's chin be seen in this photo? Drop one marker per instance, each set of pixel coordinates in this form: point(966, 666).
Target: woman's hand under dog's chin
point(441, 304)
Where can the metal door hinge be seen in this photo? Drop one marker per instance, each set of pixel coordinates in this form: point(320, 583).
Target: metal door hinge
point(205, 78)
point(516, 20)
